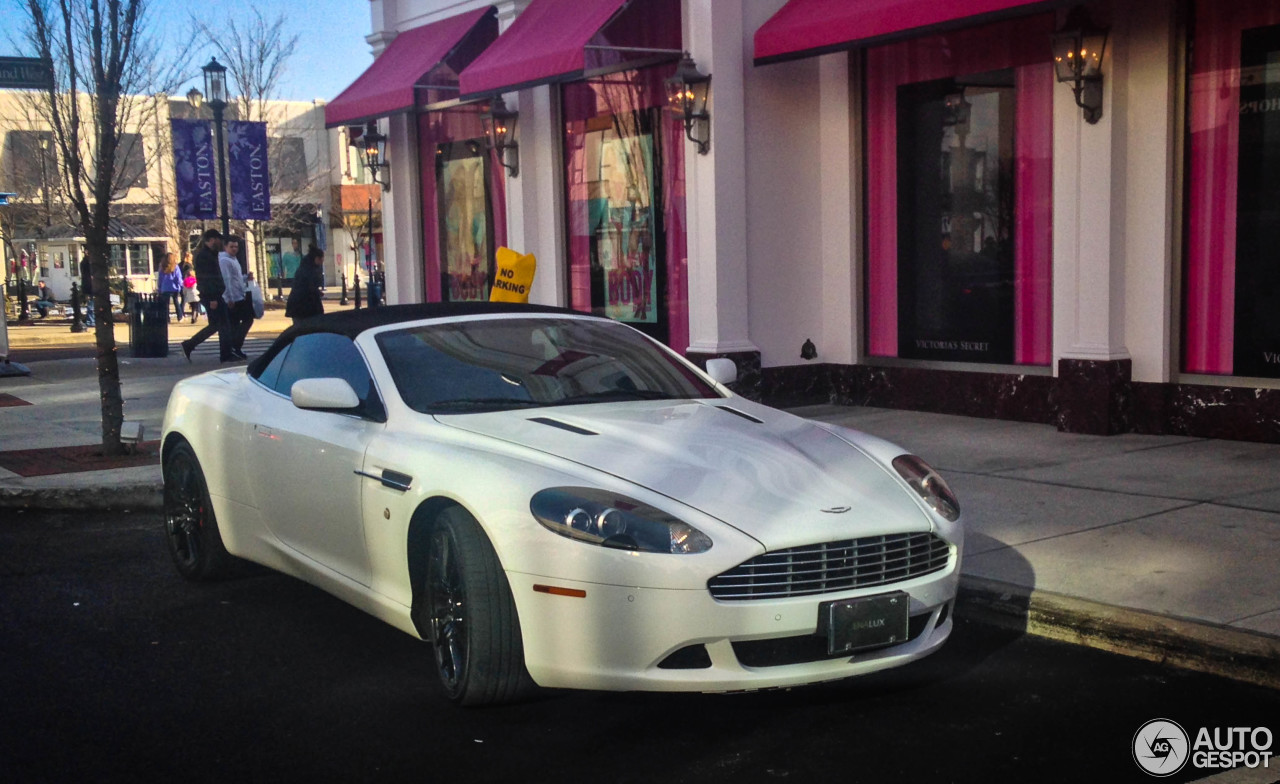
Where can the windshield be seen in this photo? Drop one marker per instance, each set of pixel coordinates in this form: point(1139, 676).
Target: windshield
point(497, 364)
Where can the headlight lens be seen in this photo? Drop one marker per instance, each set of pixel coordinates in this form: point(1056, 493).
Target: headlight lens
point(931, 487)
point(611, 520)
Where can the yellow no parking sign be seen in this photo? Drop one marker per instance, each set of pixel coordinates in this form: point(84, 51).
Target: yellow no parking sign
point(514, 277)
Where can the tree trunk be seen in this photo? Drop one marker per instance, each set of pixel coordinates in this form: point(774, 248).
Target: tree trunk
point(105, 339)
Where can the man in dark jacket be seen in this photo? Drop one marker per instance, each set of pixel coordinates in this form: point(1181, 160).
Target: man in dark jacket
point(211, 288)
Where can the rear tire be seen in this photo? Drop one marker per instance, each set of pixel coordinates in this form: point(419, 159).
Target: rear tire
point(189, 523)
point(473, 626)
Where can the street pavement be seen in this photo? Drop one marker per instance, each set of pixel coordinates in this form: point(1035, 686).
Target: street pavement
point(1162, 547)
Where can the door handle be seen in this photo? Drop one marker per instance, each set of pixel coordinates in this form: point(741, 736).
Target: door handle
point(393, 479)
point(266, 432)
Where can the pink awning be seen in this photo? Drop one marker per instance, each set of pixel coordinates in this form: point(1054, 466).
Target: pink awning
point(387, 87)
point(803, 28)
point(545, 43)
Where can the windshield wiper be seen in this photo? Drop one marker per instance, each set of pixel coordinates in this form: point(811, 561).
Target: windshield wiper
point(471, 403)
point(613, 395)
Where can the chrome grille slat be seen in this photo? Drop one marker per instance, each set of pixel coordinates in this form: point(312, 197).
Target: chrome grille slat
point(833, 566)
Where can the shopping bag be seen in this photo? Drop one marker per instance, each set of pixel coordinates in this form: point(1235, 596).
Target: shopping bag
point(255, 292)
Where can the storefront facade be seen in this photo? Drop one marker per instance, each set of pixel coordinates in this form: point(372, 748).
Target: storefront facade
point(900, 205)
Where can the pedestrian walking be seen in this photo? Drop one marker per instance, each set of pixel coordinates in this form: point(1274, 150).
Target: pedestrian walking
point(170, 284)
point(211, 288)
point(304, 298)
point(189, 292)
point(234, 296)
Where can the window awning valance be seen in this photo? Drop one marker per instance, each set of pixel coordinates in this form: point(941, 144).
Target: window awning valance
point(804, 28)
point(562, 40)
point(390, 85)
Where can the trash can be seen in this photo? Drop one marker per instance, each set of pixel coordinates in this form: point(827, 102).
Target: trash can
point(149, 326)
point(375, 293)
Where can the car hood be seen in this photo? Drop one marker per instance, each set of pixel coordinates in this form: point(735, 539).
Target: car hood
point(782, 480)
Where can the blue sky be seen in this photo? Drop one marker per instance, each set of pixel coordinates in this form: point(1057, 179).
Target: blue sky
point(331, 49)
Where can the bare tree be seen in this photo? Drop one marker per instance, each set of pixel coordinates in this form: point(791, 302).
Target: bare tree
point(106, 74)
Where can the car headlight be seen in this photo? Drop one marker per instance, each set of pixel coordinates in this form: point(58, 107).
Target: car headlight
point(931, 487)
point(611, 520)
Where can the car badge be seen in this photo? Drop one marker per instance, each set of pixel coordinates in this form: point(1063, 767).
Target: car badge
point(837, 509)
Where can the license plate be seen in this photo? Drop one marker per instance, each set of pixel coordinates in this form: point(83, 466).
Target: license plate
point(868, 622)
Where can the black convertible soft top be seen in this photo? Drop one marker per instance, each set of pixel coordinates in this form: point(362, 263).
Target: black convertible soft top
point(353, 322)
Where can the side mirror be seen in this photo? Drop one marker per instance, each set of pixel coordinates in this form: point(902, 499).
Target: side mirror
point(329, 394)
point(722, 370)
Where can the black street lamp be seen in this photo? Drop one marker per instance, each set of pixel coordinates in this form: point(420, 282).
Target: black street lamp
point(215, 94)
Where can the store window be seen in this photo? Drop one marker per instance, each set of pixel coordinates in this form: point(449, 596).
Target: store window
point(959, 172)
point(625, 209)
point(139, 260)
point(1231, 323)
point(115, 258)
point(464, 205)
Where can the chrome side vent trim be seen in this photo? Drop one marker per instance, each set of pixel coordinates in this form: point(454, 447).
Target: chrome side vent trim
point(742, 414)
point(549, 422)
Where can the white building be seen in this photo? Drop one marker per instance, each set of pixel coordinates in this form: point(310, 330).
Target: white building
point(900, 204)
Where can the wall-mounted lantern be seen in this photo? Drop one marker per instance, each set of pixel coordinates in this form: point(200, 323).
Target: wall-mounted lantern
point(1077, 58)
point(687, 94)
point(500, 133)
point(374, 145)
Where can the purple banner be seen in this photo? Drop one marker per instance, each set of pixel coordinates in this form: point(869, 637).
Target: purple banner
point(193, 162)
point(247, 168)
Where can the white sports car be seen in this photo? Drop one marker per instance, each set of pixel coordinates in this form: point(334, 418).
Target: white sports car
point(554, 499)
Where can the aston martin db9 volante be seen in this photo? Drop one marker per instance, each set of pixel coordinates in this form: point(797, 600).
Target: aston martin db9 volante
point(554, 499)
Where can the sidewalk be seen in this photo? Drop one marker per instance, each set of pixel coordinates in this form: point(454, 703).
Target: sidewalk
point(1156, 546)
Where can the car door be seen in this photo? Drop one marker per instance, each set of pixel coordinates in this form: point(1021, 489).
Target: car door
point(305, 461)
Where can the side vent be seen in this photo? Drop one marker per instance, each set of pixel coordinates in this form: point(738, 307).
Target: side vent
point(742, 414)
point(563, 426)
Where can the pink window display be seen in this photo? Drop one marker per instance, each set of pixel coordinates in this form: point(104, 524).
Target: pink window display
point(959, 192)
point(1231, 307)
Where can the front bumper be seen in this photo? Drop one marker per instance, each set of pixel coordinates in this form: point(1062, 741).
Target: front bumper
point(616, 637)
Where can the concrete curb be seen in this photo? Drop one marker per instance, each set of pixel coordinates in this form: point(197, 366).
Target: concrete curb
point(138, 495)
point(1195, 645)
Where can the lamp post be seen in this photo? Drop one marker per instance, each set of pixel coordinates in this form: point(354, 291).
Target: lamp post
point(499, 125)
point(215, 94)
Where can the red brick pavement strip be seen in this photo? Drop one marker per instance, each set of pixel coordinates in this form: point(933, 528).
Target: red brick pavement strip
point(7, 400)
point(73, 459)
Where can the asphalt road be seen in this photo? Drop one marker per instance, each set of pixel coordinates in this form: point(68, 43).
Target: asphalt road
point(112, 668)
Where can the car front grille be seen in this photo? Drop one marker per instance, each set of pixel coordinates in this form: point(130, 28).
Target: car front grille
point(833, 566)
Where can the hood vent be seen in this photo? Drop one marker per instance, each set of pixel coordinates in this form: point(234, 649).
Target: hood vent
point(742, 414)
point(563, 426)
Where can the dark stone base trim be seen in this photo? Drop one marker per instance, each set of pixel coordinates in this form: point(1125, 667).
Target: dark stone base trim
point(1238, 413)
point(1087, 397)
point(1092, 396)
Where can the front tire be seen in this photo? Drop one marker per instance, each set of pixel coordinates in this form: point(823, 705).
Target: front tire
point(189, 523)
point(473, 626)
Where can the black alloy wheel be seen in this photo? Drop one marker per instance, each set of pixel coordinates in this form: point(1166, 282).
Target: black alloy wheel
point(448, 611)
point(474, 630)
point(189, 523)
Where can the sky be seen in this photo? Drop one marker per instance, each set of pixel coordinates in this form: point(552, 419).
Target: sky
point(331, 49)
